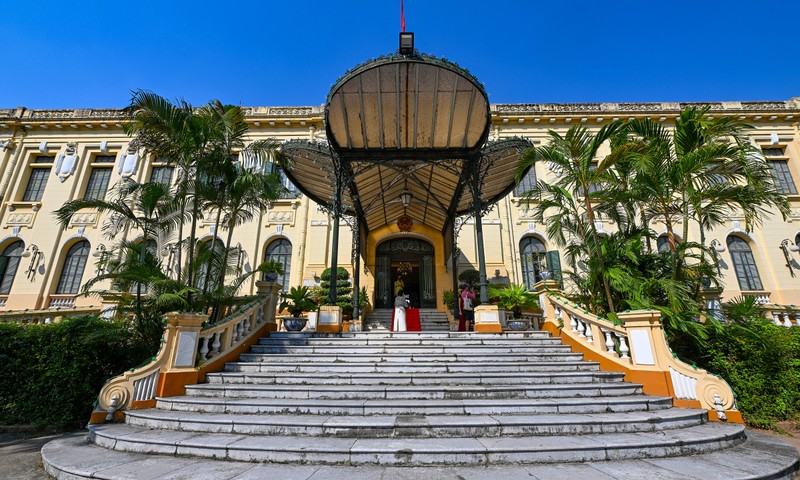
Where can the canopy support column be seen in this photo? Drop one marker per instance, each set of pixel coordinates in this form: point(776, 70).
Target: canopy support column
point(477, 206)
point(454, 255)
point(356, 267)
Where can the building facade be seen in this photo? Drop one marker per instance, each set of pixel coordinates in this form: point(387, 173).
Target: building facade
point(48, 157)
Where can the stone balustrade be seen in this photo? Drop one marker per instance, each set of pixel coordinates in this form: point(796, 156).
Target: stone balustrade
point(45, 316)
point(189, 350)
point(637, 346)
point(782, 315)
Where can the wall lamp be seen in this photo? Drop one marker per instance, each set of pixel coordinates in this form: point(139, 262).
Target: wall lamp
point(788, 246)
point(717, 246)
point(101, 254)
point(169, 252)
point(35, 255)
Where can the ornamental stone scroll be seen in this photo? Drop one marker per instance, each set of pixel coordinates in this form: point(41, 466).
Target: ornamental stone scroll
point(67, 161)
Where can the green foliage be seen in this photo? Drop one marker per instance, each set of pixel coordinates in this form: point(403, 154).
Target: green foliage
point(53, 373)
point(297, 301)
point(515, 298)
point(344, 289)
point(363, 300)
point(761, 362)
point(470, 276)
point(449, 299)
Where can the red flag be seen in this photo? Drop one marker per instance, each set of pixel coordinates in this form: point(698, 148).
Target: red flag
point(402, 18)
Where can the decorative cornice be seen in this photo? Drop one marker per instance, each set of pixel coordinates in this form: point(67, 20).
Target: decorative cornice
point(12, 115)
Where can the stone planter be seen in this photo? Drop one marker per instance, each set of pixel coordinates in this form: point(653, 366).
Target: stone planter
point(294, 324)
point(517, 324)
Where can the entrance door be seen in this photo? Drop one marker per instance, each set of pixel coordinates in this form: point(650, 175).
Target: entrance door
point(408, 264)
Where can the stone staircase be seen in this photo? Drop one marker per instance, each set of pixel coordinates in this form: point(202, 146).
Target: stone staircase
point(417, 405)
point(430, 319)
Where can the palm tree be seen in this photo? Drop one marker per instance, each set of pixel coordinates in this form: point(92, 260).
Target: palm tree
point(569, 203)
point(193, 139)
point(702, 171)
point(148, 207)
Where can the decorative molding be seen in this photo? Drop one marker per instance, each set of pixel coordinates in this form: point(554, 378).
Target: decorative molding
point(67, 161)
point(86, 219)
point(280, 216)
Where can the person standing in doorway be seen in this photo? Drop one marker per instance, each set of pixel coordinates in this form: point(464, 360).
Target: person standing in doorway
point(467, 297)
point(399, 312)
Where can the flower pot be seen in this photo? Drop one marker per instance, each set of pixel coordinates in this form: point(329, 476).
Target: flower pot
point(294, 324)
point(518, 325)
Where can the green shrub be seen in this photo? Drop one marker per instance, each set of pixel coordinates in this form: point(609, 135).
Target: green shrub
point(761, 362)
point(53, 373)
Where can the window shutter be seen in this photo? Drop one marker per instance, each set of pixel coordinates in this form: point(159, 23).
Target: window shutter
point(554, 264)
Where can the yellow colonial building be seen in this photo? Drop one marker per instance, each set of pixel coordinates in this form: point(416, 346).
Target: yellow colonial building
point(48, 157)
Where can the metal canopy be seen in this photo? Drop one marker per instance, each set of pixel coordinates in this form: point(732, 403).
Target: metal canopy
point(407, 107)
point(399, 125)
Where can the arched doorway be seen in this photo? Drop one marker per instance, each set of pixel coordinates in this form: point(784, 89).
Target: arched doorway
point(406, 263)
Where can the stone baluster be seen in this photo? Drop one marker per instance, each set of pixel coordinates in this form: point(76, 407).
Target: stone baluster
point(776, 317)
point(558, 311)
point(240, 329)
point(204, 341)
point(589, 333)
point(609, 341)
point(786, 321)
point(573, 322)
point(623, 347)
point(215, 344)
point(581, 328)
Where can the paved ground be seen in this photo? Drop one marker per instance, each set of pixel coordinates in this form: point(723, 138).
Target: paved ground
point(20, 459)
point(19, 456)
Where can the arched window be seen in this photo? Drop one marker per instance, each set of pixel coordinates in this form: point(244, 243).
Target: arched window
point(662, 243)
point(744, 264)
point(9, 262)
point(534, 260)
point(280, 251)
point(72, 272)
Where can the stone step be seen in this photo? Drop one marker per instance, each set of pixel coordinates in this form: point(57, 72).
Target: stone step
point(531, 406)
point(426, 336)
point(420, 451)
point(408, 392)
point(345, 378)
point(407, 349)
point(759, 457)
point(399, 339)
point(468, 358)
point(412, 367)
point(436, 426)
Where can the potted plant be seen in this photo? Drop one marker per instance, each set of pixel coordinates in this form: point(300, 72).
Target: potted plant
point(516, 298)
point(296, 301)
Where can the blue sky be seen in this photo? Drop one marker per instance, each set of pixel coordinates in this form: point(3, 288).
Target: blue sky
point(91, 54)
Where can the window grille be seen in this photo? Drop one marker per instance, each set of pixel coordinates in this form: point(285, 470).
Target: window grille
point(162, 175)
point(98, 184)
point(783, 177)
point(9, 262)
point(744, 264)
point(36, 184)
point(72, 272)
point(280, 251)
point(527, 183)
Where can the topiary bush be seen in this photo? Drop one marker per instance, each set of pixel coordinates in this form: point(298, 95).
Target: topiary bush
point(470, 276)
point(344, 289)
point(53, 373)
